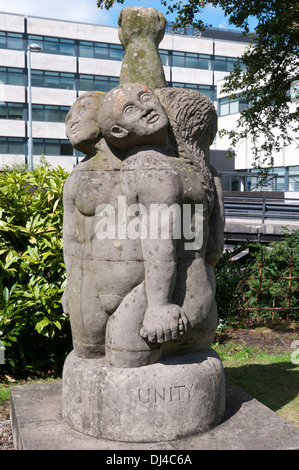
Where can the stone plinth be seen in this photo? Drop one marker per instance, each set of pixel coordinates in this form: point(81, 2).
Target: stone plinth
point(174, 398)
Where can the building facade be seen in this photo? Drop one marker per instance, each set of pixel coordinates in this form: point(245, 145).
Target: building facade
point(77, 57)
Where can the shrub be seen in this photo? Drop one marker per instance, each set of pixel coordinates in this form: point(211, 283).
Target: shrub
point(33, 327)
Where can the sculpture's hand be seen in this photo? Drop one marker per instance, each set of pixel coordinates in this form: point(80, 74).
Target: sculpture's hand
point(164, 322)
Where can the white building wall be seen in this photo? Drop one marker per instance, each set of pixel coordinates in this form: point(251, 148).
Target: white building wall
point(70, 30)
point(53, 62)
point(12, 128)
point(10, 58)
point(13, 23)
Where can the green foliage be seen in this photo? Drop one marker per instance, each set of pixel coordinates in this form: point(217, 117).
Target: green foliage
point(277, 265)
point(257, 286)
point(33, 327)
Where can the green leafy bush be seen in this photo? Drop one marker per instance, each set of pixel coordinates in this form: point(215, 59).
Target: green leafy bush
point(274, 279)
point(33, 327)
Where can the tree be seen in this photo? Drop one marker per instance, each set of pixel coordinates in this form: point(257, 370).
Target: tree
point(263, 75)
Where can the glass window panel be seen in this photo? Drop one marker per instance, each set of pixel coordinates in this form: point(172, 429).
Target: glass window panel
point(220, 64)
point(66, 148)
point(116, 52)
point(3, 111)
point(191, 61)
point(164, 56)
point(113, 82)
point(224, 109)
point(51, 80)
point(230, 64)
point(37, 112)
point(234, 107)
point(15, 111)
point(86, 49)
point(52, 114)
point(51, 46)
point(38, 147)
point(2, 40)
point(242, 105)
point(294, 170)
point(101, 84)
point(67, 81)
point(86, 83)
point(3, 75)
point(3, 145)
point(293, 182)
point(178, 59)
point(15, 76)
point(204, 62)
point(37, 78)
point(15, 146)
point(14, 41)
point(101, 51)
point(63, 112)
point(52, 147)
point(67, 47)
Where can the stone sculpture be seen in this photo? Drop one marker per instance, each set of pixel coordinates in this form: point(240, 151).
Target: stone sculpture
point(140, 271)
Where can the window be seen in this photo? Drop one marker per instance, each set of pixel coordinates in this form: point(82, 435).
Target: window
point(11, 76)
point(51, 45)
point(293, 178)
point(52, 147)
point(208, 90)
point(49, 113)
point(97, 83)
point(231, 106)
point(99, 50)
point(192, 60)
point(12, 111)
point(274, 182)
point(12, 145)
point(47, 79)
point(225, 64)
point(11, 41)
point(165, 57)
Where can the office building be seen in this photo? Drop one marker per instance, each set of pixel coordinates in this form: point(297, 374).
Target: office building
point(77, 57)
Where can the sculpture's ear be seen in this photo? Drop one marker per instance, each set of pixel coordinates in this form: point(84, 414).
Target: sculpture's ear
point(118, 132)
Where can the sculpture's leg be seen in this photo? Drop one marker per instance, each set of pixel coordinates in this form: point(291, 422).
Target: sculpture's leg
point(88, 319)
point(195, 292)
point(124, 345)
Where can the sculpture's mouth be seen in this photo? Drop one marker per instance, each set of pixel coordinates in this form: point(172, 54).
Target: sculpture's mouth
point(153, 118)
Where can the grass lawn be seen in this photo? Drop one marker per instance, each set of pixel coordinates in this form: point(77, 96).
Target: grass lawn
point(273, 379)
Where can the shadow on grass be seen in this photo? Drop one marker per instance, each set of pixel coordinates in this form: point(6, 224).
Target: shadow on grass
point(275, 385)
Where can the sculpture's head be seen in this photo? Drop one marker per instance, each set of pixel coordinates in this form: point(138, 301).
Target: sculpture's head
point(82, 128)
point(130, 115)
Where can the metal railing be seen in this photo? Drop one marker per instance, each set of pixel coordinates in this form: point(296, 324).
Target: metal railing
point(257, 207)
point(266, 295)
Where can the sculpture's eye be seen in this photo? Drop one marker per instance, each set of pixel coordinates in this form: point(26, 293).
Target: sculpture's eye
point(145, 97)
point(130, 109)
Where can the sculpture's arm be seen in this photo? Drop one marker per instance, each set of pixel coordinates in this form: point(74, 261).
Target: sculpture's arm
point(215, 244)
point(157, 191)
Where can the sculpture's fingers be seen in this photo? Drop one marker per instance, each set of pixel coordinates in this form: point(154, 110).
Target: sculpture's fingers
point(160, 335)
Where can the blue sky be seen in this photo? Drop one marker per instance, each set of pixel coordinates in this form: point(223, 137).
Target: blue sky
point(87, 11)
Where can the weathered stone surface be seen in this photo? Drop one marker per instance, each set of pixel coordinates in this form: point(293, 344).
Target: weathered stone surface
point(143, 231)
point(247, 425)
point(140, 31)
point(164, 401)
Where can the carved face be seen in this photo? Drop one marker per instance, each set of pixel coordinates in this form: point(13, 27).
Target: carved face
point(132, 115)
point(82, 128)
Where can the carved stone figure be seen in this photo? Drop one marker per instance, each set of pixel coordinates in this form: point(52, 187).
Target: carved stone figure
point(143, 231)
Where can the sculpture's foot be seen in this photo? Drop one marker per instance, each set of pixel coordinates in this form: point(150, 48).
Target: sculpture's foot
point(172, 399)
